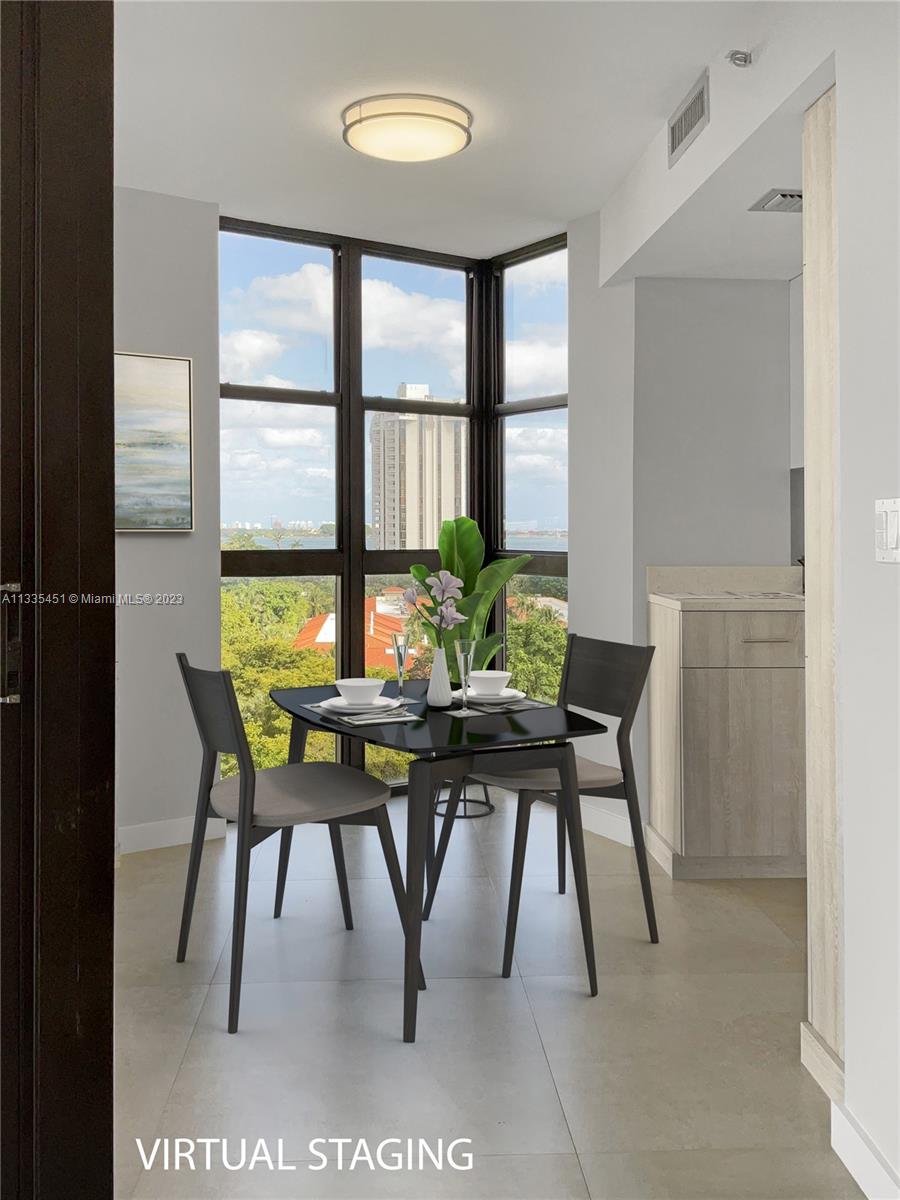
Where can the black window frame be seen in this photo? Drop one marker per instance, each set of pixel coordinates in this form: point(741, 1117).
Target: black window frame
point(554, 563)
point(350, 562)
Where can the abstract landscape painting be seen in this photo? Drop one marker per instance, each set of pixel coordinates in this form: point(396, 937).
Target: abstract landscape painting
point(153, 444)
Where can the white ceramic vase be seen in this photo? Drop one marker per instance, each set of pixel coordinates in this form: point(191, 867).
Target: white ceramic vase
point(439, 692)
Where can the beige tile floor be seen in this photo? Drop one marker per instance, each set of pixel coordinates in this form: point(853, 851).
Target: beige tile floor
point(680, 1081)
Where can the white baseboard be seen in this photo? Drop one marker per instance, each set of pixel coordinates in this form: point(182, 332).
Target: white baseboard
point(607, 817)
point(861, 1158)
point(157, 834)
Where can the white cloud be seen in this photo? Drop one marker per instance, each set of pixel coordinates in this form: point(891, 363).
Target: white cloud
point(301, 300)
point(537, 366)
point(302, 303)
point(243, 352)
point(550, 270)
point(310, 438)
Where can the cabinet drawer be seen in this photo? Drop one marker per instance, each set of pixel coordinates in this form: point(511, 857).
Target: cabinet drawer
point(742, 639)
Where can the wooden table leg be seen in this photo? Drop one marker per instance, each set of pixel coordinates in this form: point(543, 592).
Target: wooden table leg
point(417, 818)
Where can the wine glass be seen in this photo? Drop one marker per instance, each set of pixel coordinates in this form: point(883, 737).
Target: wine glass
point(465, 655)
point(401, 649)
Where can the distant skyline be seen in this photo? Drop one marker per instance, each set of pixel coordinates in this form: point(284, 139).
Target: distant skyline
point(276, 322)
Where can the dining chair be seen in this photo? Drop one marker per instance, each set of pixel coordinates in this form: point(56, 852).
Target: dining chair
point(603, 677)
point(267, 801)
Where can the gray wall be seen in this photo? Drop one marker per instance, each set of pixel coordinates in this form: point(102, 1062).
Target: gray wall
point(166, 302)
point(712, 436)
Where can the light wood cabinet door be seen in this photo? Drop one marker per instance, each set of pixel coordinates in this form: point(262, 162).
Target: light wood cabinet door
point(742, 639)
point(743, 762)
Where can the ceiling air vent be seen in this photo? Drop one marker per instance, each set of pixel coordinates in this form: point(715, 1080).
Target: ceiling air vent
point(689, 118)
point(779, 200)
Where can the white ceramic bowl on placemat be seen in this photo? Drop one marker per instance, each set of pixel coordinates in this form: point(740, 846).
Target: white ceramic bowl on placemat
point(359, 691)
point(488, 683)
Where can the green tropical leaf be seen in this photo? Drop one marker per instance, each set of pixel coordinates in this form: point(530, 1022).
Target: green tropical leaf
point(419, 572)
point(491, 580)
point(461, 548)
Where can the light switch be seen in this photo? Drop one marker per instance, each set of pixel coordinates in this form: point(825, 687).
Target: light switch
point(887, 530)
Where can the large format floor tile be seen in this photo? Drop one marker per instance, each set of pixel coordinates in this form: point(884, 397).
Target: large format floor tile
point(495, 835)
point(327, 1060)
point(701, 928)
point(719, 1175)
point(672, 1062)
point(463, 939)
point(152, 1028)
point(680, 1081)
point(492, 1177)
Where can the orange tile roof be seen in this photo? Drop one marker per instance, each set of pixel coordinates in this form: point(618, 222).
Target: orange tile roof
point(379, 627)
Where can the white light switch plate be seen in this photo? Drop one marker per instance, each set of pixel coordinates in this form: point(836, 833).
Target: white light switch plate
point(887, 530)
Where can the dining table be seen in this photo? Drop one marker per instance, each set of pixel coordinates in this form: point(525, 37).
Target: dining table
point(446, 749)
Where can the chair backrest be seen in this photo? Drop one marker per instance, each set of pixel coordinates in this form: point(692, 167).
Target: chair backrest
point(216, 712)
point(605, 677)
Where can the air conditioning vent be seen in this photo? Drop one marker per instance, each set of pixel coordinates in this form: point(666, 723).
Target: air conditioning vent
point(689, 118)
point(779, 200)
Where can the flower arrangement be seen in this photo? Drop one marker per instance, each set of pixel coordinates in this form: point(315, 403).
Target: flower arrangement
point(457, 601)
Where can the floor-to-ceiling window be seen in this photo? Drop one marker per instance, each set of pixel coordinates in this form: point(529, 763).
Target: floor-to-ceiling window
point(368, 393)
point(346, 439)
point(531, 453)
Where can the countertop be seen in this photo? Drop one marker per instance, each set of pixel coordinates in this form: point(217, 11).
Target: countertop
point(726, 601)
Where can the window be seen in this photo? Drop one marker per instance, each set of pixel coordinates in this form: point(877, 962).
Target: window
point(346, 437)
point(532, 453)
point(278, 464)
point(369, 393)
point(413, 331)
point(277, 633)
point(537, 619)
point(276, 313)
point(417, 476)
point(535, 322)
point(535, 477)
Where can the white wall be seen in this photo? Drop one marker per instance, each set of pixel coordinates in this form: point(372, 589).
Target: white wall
point(166, 302)
point(601, 459)
point(791, 44)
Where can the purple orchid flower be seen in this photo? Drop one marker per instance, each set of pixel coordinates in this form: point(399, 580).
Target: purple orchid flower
point(411, 596)
point(445, 586)
point(448, 617)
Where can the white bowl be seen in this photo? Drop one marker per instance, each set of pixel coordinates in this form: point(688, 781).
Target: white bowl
point(489, 683)
point(359, 691)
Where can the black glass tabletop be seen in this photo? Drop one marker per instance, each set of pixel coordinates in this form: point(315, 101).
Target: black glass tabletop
point(438, 731)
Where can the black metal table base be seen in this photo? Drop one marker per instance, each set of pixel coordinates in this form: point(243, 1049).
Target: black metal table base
point(463, 813)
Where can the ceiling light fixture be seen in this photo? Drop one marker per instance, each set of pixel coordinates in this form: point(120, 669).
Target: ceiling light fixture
point(406, 127)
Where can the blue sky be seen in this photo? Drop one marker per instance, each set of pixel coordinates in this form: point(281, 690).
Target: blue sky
point(276, 321)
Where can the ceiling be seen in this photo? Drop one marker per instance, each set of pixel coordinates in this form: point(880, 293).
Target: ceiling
point(713, 235)
point(239, 103)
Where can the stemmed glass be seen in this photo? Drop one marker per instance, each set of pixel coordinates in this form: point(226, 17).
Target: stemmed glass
point(401, 649)
point(465, 655)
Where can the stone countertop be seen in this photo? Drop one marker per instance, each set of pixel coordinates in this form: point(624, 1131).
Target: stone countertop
point(726, 601)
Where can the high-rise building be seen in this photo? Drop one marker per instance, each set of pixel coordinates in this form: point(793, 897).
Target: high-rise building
point(419, 474)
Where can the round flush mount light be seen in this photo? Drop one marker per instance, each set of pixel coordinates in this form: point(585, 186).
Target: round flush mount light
point(407, 128)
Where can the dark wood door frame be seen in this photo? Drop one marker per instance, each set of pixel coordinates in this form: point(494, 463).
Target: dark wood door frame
point(56, 537)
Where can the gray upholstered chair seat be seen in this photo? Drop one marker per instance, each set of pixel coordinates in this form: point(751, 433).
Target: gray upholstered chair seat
point(302, 792)
point(590, 775)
